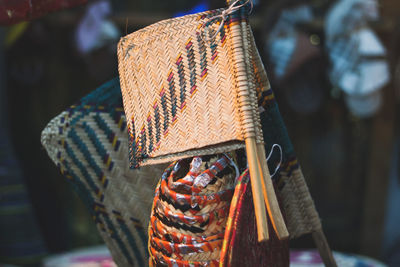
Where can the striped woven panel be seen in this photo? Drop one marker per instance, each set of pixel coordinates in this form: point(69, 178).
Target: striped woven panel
point(189, 88)
point(89, 143)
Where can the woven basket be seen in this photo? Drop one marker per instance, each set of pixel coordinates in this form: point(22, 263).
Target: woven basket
point(186, 232)
point(181, 87)
point(89, 143)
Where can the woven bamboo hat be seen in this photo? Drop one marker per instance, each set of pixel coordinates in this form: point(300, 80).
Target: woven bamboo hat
point(89, 144)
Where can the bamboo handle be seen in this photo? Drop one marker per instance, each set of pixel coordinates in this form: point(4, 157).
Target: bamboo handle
point(271, 201)
point(256, 187)
point(323, 248)
point(249, 130)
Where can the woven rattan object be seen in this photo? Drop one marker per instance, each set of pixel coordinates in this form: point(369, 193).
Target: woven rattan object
point(89, 143)
point(177, 91)
point(189, 213)
point(189, 89)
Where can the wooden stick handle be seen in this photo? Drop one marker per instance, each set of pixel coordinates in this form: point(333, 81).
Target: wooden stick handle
point(256, 187)
point(270, 199)
point(323, 248)
point(249, 128)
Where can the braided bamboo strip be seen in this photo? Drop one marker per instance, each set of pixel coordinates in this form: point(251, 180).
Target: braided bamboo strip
point(195, 200)
point(157, 228)
point(195, 235)
point(184, 249)
point(214, 255)
point(195, 220)
point(174, 262)
point(302, 212)
point(213, 228)
point(191, 212)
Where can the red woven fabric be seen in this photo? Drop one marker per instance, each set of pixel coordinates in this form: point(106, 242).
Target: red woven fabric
point(242, 247)
point(14, 11)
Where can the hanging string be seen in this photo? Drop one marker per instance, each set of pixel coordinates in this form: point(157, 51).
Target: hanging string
point(269, 156)
point(233, 164)
point(281, 158)
point(224, 16)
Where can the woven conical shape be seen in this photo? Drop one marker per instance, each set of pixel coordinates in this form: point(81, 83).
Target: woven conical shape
point(89, 143)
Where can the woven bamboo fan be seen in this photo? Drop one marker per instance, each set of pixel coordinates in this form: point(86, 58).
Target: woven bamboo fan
point(181, 84)
point(189, 88)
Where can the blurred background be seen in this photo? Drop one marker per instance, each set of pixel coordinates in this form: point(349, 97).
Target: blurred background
point(335, 70)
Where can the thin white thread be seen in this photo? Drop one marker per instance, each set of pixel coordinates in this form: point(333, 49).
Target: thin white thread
point(232, 163)
point(280, 161)
point(269, 156)
point(224, 16)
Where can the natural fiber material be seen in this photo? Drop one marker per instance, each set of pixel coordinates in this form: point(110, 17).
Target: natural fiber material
point(185, 231)
point(130, 192)
point(240, 246)
point(220, 109)
point(295, 189)
point(186, 94)
point(176, 86)
point(89, 143)
point(301, 215)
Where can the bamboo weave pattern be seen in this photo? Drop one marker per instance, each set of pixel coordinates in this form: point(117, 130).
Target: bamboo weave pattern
point(184, 229)
point(182, 93)
point(88, 142)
